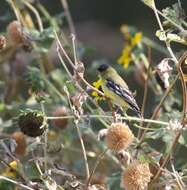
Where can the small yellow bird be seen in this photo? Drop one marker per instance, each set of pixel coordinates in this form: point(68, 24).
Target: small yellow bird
point(116, 89)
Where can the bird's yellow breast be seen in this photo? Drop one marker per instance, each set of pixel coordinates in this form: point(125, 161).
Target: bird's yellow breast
point(116, 99)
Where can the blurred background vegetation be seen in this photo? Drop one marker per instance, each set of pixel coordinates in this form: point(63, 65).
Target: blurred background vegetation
point(97, 24)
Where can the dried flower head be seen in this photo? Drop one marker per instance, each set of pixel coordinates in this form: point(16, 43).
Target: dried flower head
point(119, 137)
point(163, 70)
point(21, 145)
point(15, 32)
point(136, 176)
point(174, 125)
point(79, 71)
point(31, 123)
point(60, 112)
point(78, 100)
point(2, 42)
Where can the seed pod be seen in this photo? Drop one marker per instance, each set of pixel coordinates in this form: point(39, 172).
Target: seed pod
point(19, 137)
point(31, 123)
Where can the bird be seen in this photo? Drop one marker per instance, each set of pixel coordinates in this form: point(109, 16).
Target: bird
point(116, 89)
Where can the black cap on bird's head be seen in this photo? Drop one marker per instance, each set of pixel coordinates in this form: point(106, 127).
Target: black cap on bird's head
point(103, 67)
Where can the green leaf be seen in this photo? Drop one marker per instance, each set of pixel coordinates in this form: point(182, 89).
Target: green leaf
point(6, 185)
point(35, 79)
point(150, 3)
point(175, 13)
point(32, 171)
point(154, 134)
point(161, 35)
point(113, 182)
point(183, 138)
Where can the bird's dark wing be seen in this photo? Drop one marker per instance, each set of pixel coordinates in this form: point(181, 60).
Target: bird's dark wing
point(124, 93)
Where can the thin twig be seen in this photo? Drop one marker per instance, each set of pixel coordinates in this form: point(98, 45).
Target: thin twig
point(84, 152)
point(74, 49)
point(45, 138)
point(177, 177)
point(73, 65)
point(15, 182)
point(99, 158)
point(77, 84)
point(33, 9)
point(79, 135)
point(145, 90)
point(162, 29)
point(165, 17)
point(18, 172)
point(175, 141)
point(16, 12)
point(63, 63)
point(63, 50)
point(129, 118)
point(68, 16)
point(158, 107)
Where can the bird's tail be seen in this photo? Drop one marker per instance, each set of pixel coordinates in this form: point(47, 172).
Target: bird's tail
point(138, 112)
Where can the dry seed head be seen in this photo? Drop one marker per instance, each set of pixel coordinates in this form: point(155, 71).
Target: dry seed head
point(31, 123)
point(136, 176)
point(174, 125)
point(2, 42)
point(15, 32)
point(19, 137)
point(60, 112)
point(119, 137)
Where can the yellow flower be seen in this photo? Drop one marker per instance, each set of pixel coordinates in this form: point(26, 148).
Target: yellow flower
point(131, 42)
point(136, 39)
point(97, 84)
point(11, 172)
point(125, 58)
point(125, 30)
